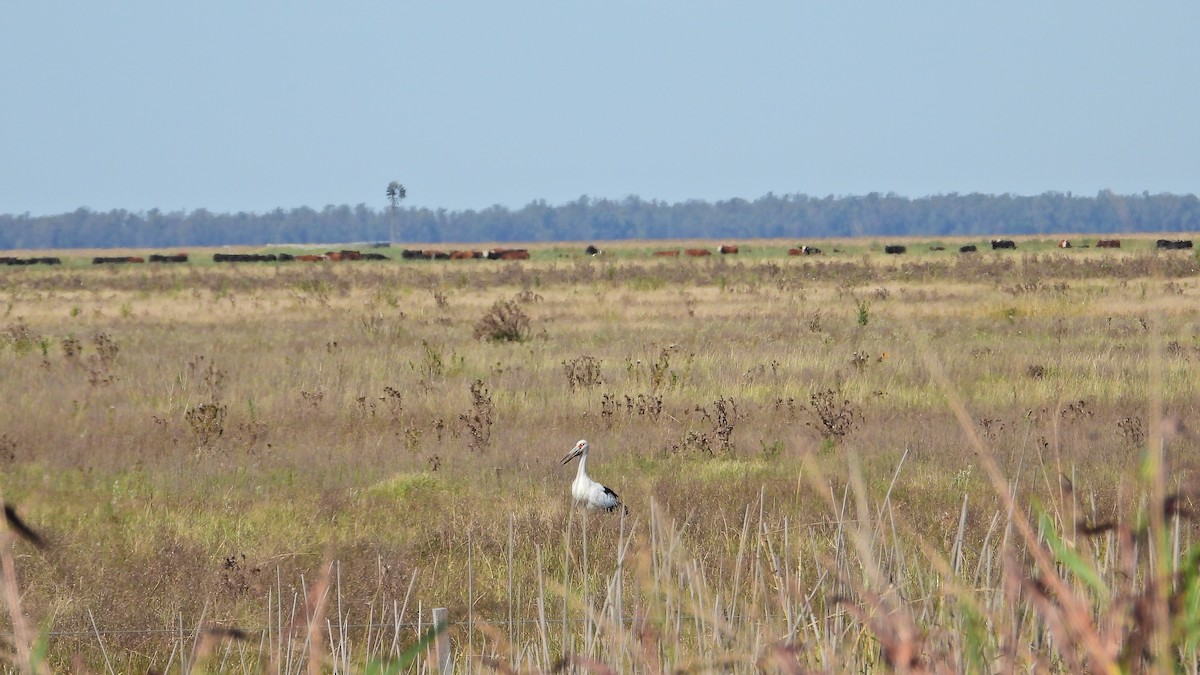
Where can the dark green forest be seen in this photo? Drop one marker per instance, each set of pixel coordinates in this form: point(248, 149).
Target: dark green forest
point(795, 216)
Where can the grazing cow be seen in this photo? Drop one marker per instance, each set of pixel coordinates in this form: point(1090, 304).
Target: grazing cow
point(592, 250)
point(1003, 243)
point(375, 256)
point(311, 258)
point(804, 250)
point(969, 248)
point(136, 259)
point(507, 254)
point(244, 257)
point(937, 248)
point(110, 260)
point(30, 261)
point(412, 254)
point(726, 248)
point(1108, 243)
point(436, 255)
point(1064, 244)
point(176, 258)
point(895, 249)
point(696, 252)
point(1173, 244)
point(462, 255)
point(351, 255)
point(666, 254)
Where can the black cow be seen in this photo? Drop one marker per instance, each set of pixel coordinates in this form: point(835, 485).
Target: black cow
point(244, 257)
point(30, 261)
point(895, 249)
point(1175, 244)
point(176, 258)
point(969, 248)
point(1003, 243)
point(592, 250)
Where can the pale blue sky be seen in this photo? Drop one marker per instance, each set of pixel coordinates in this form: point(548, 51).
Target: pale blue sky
point(249, 106)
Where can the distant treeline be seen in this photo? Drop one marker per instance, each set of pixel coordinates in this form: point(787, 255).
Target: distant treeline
point(797, 216)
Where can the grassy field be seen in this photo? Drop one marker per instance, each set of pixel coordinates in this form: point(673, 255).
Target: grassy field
point(842, 462)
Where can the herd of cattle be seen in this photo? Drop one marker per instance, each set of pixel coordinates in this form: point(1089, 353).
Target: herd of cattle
point(523, 254)
point(1000, 244)
point(493, 254)
point(30, 261)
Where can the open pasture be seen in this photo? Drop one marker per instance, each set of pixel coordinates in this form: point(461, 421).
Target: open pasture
point(803, 443)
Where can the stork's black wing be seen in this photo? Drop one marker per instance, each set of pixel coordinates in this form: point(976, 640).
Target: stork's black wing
point(19, 526)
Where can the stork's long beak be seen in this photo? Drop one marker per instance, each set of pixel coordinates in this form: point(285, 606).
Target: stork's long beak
point(575, 452)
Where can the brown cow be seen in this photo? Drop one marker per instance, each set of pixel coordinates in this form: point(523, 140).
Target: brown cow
point(697, 251)
point(726, 248)
point(1109, 243)
point(311, 258)
point(507, 254)
point(1064, 244)
point(136, 259)
point(666, 254)
point(462, 255)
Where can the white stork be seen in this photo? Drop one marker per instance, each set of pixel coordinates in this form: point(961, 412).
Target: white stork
point(586, 491)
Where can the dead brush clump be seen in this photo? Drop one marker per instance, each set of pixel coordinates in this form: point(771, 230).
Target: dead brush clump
point(658, 373)
point(8, 449)
point(100, 365)
point(1133, 430)
point(506, 321)
point(724, 418)
point(480, 418)
point(71, 348)
point(206, 419)
point(833, 415)
point(19, 337)
point(207, 422)
point(583, 372)
point(646, 406)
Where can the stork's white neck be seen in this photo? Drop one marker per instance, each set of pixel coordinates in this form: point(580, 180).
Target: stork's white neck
point(582, 463)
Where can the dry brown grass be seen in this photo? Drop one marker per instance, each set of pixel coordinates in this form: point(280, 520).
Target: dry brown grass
point(196, 441)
